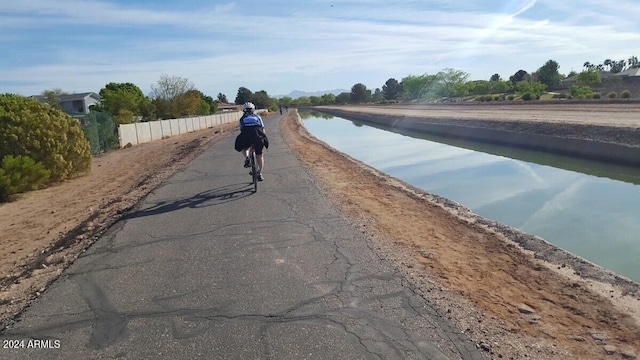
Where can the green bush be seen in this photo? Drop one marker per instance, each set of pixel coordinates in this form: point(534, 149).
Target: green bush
point(597, 96)
point(527, 96)
point(625, 94)
point(19, 174)
point(45, 134)
point(511, 97)
point(612, 95)
point(581, 92)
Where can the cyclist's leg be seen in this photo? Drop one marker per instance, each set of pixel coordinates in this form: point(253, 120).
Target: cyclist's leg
point(245, 154)
point(259, 156)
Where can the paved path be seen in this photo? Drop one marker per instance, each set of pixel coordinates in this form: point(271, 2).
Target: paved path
point(204, 268)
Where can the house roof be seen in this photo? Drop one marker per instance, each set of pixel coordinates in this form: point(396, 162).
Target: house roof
point(222, 105)
point(629, 72)
point(69, 97)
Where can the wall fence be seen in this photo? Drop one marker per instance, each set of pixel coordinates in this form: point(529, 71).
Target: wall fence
point(142, 132)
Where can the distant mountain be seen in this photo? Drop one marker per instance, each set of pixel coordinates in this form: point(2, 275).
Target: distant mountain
point(297, 93)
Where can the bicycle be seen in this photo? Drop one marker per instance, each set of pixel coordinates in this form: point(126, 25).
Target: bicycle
point(254, 167)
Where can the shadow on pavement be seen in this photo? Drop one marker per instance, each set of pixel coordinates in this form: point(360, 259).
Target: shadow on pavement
point(203, 199)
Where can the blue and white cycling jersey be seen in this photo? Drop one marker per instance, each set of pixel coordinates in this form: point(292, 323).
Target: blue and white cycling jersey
point(248, 120)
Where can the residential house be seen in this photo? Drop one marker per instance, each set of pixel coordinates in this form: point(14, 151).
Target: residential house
point(74, 104)
point(228, 107)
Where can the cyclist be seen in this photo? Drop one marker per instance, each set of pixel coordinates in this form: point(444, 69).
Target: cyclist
point(251, 133)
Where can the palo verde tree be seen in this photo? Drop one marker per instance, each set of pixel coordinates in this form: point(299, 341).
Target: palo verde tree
point(451, 82)
point(418, 86)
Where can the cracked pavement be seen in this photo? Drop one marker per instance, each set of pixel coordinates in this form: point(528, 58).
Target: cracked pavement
point(203, 268)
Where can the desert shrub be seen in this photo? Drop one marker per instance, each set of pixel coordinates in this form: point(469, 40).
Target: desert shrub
point(496, 97)
point(527, 96)
point(511, 97)
point(597, 96)
point(625, 94)
point(19, 174)
point(612, 95)
point(45, 134)
point(581, 92)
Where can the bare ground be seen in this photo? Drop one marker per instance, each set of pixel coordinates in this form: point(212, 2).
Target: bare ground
point(514, 304)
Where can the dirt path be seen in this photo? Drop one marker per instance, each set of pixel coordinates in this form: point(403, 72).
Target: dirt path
point(512, 304)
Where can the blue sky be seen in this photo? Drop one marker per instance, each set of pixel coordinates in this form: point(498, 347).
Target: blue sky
point(311, 45)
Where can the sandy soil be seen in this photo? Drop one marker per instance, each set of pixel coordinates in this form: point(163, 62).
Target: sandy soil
point(513, 303)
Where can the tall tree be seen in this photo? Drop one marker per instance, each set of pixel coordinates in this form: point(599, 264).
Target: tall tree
point(495, 77)
point(343, 98)
point(548, 73)
point(359, 93)
point(520, 75)
point(169, 96)
point(170, 87)
point(377, 95)
point(244, 95)
point(116, 97)
point(617, 66)
point(261, 100)
point(391, 89)
point(222, 98)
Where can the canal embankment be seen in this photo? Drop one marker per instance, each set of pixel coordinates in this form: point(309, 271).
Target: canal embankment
point(588, 140)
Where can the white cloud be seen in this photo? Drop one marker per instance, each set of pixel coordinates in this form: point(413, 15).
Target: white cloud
point(302, 45)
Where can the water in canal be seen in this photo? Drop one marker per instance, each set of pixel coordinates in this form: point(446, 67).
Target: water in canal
point(589, 209)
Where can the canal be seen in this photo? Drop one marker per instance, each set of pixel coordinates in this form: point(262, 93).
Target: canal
point(589, 209)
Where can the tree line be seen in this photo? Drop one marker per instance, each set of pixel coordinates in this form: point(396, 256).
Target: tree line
point(451, 83)
point(175, 97)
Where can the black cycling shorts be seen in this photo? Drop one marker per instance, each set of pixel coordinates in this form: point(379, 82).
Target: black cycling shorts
point(250, 136)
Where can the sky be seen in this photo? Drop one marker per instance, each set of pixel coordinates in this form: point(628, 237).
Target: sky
point(306, 45)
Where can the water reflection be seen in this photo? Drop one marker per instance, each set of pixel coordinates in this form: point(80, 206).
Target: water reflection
point(592, 216)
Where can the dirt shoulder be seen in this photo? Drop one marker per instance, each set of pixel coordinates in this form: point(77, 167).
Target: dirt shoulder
point(44, 231)
point(513, 303)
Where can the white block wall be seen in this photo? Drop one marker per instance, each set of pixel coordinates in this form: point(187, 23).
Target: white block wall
point(142, 132)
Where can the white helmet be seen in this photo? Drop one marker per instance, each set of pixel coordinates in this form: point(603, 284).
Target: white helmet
point(248, 107)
